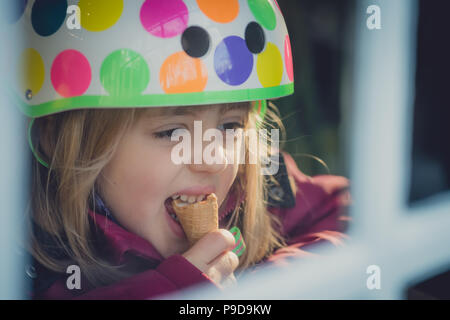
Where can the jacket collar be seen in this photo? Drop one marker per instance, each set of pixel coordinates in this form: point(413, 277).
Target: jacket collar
point(119, 241)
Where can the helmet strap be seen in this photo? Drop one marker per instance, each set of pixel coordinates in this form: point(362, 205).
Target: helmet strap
point(33, 150)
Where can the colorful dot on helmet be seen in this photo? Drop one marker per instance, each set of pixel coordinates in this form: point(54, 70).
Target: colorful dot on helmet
point(47, 16)
point(264, 13)
point(32, 73)
point(288, 58)
point(71, 73)
point(269, 66)
point(223, 11)
point(233, 61)
point(195, 41)
point(164, 19)
point(100, 15)
point(124, 73)
point(181, 73)
point(18, 8)
point(254, 37)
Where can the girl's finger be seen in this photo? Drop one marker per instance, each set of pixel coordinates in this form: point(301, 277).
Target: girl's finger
point(226, 263)
point(228, 281)
point(208, 248)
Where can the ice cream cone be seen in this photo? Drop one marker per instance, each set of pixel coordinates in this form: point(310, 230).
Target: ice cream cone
point(199, 218)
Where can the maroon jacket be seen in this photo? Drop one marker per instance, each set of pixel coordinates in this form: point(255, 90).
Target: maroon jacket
point(317, 213)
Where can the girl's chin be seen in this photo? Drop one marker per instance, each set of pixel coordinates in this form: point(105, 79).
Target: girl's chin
point(174, 245)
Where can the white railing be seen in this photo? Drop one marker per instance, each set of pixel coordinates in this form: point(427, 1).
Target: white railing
point(13, 173)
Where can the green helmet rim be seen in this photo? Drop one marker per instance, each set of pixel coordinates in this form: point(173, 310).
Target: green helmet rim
point(152, 100)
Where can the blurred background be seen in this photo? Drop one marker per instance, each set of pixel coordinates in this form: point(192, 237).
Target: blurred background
point(318, 116)
point(322, 35)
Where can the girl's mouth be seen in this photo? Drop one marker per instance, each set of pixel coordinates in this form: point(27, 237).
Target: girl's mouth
point(185, 200)
point(169, 208)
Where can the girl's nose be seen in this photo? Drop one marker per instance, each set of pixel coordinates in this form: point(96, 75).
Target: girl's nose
point(209, 158)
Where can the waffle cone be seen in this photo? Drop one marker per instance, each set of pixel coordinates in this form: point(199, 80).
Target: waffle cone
point(197, 219)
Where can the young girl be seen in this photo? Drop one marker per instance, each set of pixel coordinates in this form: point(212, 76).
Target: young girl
point(106, 102)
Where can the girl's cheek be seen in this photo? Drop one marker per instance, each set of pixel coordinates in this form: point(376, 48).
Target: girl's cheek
point(234, 149)
point(153, 174)
point(139, 169)
point(229, 177)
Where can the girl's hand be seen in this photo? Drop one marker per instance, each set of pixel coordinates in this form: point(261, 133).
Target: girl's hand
point(213, 256)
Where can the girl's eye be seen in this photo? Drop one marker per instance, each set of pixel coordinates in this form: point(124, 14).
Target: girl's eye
point(231, 126)
point(167, 134)
point(164, 134)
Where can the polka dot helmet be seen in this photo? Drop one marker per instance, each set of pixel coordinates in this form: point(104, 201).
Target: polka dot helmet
point(143, 53)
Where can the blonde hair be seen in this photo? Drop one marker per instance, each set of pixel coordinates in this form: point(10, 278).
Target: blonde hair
point(79, 148)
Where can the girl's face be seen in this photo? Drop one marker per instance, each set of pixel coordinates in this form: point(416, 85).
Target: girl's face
point(142, 174)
